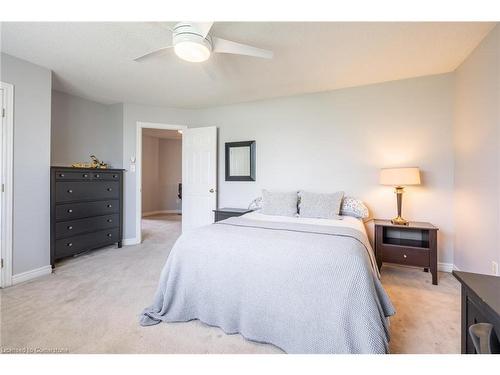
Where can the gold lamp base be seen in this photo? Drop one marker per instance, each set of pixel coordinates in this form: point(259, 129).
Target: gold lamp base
point(398, 220)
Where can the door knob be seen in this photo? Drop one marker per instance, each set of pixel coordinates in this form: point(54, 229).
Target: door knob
point(211, 190)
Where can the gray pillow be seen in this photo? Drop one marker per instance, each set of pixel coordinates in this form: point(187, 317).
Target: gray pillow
point(320, 205)
point(279, 203)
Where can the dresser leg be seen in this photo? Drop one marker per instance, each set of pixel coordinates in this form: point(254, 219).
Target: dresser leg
point(426, 270)
point(119, 244)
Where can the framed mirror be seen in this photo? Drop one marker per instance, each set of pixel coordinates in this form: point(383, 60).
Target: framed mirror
point(240, 161)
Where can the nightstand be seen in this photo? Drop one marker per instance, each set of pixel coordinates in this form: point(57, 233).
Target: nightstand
point(414, 245)
point(226, 213)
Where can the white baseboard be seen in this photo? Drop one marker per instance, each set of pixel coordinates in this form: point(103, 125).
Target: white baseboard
point(130, 241)
point(32, 274)
point(446, 267)
point(151, 213)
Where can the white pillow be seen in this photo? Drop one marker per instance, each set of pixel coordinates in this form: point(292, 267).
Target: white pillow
point(354, 207)
point(279, 203)
point(320, 205)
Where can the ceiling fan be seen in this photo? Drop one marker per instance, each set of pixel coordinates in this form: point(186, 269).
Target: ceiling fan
point(192, 42)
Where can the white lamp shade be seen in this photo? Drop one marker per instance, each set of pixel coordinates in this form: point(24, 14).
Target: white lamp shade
point(400, 176)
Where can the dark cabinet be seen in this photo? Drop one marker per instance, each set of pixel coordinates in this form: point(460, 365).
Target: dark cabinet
point(226, 213)
point(86, 210)
point(480, 304)
point(414, 245)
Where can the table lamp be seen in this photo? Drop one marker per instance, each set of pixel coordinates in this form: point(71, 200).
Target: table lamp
point(399, 177)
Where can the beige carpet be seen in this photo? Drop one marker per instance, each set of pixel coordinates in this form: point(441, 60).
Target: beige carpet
point(91, 303)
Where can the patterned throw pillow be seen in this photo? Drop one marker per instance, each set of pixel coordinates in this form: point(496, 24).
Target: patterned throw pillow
point(320, 205)
point(354, 207)
point(279, 203)
point(256, 204)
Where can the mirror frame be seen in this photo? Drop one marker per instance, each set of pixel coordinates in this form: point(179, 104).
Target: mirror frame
point(251, 176)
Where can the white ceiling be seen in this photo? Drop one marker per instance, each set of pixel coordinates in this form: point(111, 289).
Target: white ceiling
point(161, 133)
point(94, 60)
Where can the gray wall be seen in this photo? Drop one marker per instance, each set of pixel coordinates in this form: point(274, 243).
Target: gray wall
point(161, 173)
point(477, 156)
point(339, 140)
point(81, 127)
point(150, 174)
point(170, 167)
point(32, 104)
point(331, 141)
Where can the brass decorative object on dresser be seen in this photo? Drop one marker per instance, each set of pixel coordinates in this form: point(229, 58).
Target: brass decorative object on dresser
point(414, 244)
point(86, 210)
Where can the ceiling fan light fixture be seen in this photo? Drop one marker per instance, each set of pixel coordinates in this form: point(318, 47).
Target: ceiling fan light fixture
point(192, 51)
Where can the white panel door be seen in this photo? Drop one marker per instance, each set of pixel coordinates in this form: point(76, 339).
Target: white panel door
point(2, 127)
point(199, 176)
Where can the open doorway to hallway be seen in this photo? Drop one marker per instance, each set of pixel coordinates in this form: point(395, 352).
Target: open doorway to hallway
point(161, 176)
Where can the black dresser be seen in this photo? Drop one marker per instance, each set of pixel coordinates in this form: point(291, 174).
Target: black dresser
point(86, 210)
point(480, 304)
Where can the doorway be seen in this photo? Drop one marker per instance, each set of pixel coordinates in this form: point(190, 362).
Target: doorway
point(159, 174)
point(6, 173)
point(199, 175)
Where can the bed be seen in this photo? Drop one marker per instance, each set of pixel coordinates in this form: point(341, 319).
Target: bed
point(304, 285)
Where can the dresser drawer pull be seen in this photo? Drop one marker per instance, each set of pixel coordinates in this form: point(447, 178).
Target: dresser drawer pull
point(69, 244)
point(97, 176)
point(70, 210)
point(109, 220)
point(115, 176)
point(109, 189)
point(404, 256)
point(109, 235)
point(85, 175)
point(61, 174)
point(109, 206)
point(70, 227)
point(70, 191)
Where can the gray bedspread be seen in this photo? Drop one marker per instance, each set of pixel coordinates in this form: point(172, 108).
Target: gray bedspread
point(304, 288)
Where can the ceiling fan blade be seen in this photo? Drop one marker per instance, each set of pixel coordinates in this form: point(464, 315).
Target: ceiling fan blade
point(152, 53)
point(228, 46)
point(202, 27)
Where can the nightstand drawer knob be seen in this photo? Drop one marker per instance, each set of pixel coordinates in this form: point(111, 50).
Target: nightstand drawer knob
point(404, 256)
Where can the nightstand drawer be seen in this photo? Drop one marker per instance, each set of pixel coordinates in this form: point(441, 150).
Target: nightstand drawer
point(410, 257)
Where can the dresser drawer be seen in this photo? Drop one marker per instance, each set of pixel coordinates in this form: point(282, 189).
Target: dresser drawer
point(71, 211)
point(410, 257)
point(81, 190)
point(83, 242)
point(90, 224)
point(65, 175)
point(107, 176)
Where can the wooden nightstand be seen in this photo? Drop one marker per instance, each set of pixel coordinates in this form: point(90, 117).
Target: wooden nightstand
point(411, 245)
point(226, 213)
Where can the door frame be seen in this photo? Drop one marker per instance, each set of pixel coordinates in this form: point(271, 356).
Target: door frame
point(138, 169)
point(6, 174)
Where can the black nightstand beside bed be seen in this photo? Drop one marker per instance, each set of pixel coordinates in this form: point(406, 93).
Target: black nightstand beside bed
point(414, 244)
point(480, 304)
point(226, 213)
